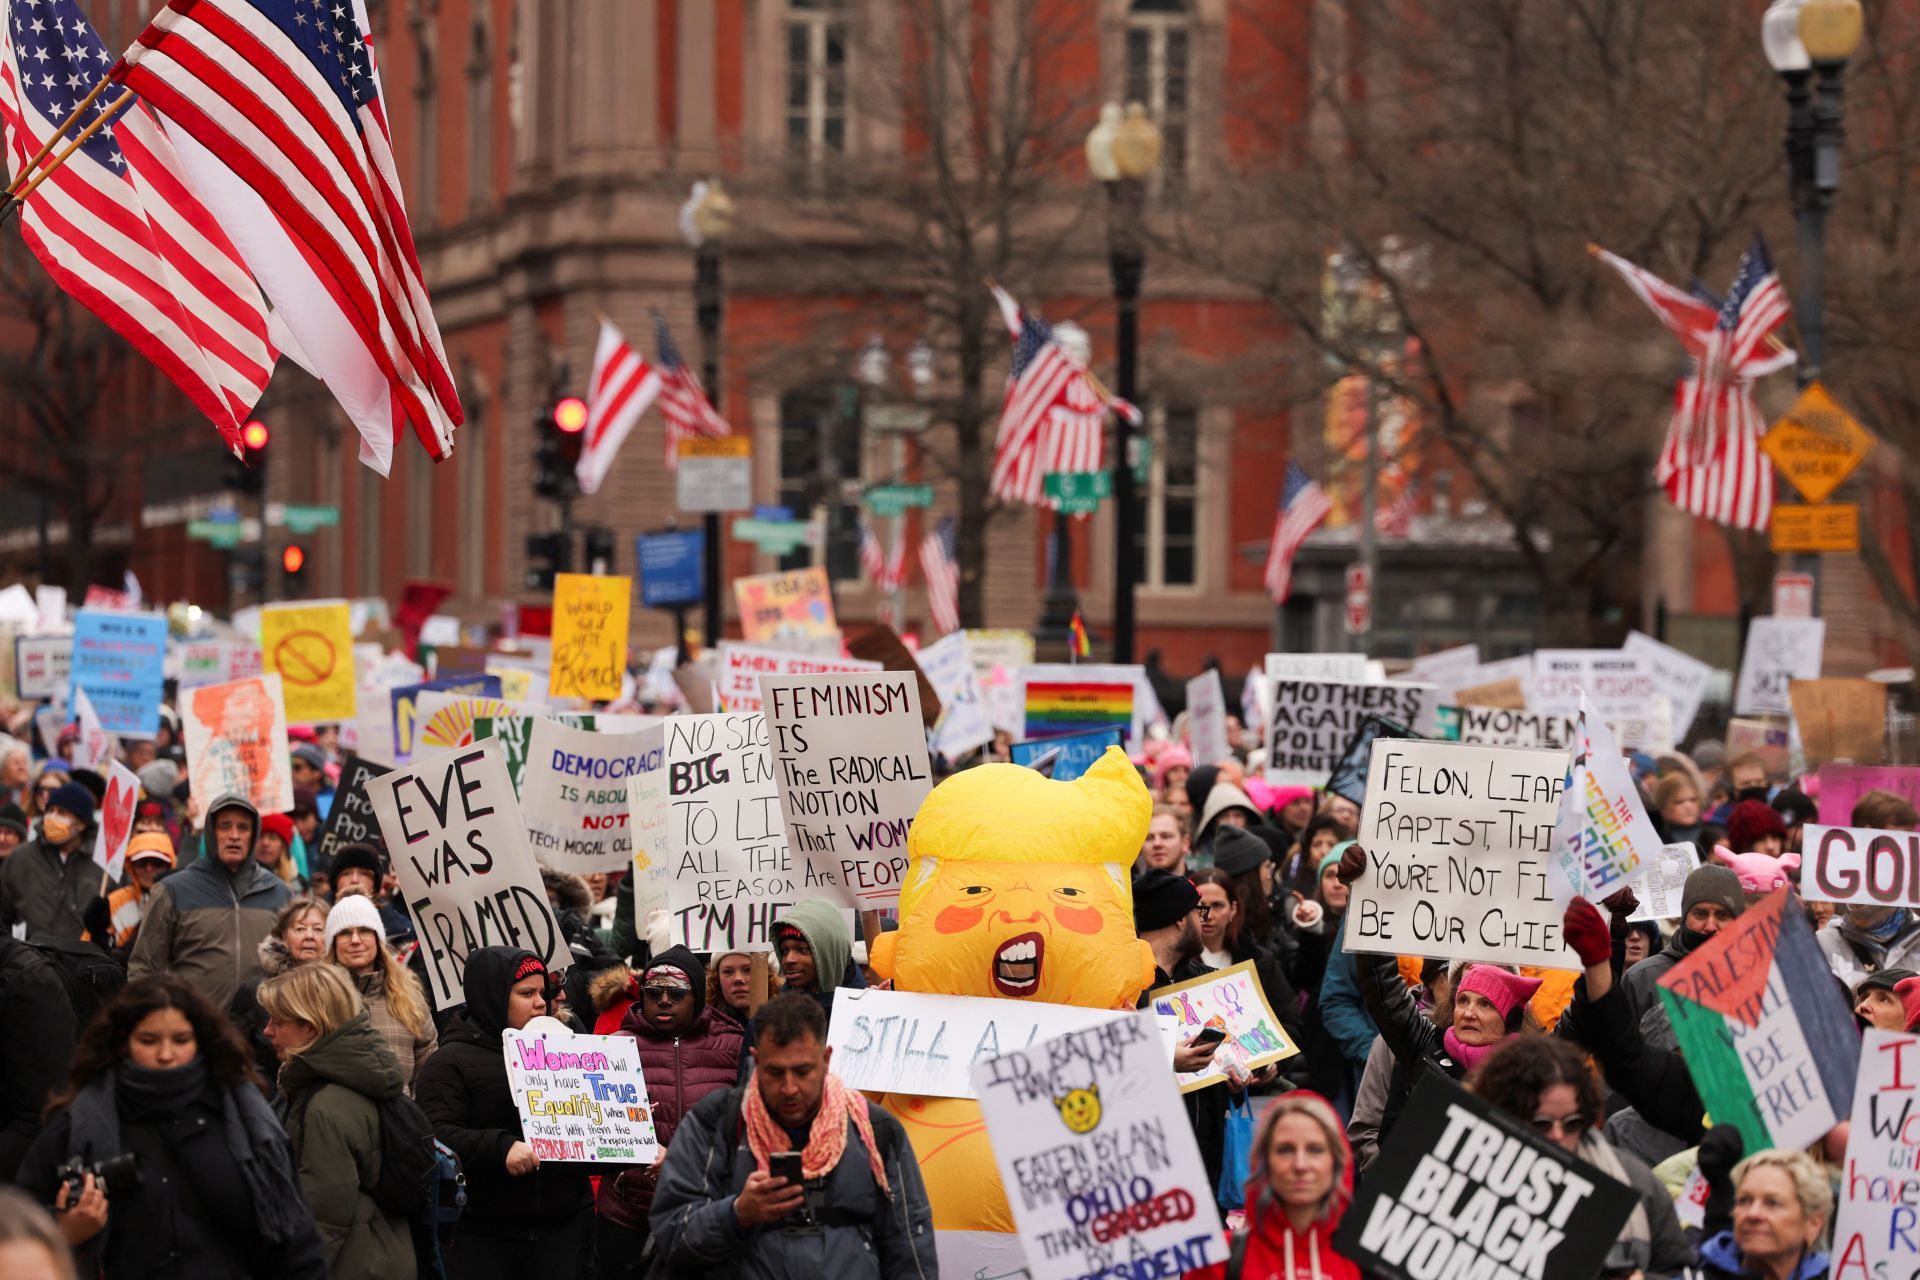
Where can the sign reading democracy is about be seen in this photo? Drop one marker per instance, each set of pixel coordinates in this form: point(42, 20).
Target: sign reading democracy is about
point(1067, 757)
point(310, 646)
point(1861, 865)
point(1779, 651)
point(850, 757)
point(459, 847)
point(1314, 720)
point(742, 665)
point(1458, 839)
point(1207, 718)
point(351, 820)
point(237, 743)
point(1229, 1000)
point(1100, 1167)
point(573, 797)
point(120, 659)
point(910, 1042)
point(963, 725)
point(1681, 677)
point(43, 666)
point(1532, 730)
point(1873, 1234)
point(1842, 785)
point(582, 1099)
point(1462, 1189)
point(1602, 835)
point(732, 872)
point(590, 615)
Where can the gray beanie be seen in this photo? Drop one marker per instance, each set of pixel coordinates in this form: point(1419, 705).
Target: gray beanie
point(160, 778)
point(1713, 884)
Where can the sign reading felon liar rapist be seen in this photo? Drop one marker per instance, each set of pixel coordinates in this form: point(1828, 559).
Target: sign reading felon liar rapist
point(732, 872)
point(454, 831)
point(1458, 839)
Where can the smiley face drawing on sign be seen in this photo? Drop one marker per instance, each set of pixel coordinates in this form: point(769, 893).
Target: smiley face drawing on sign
point(1080, 1109)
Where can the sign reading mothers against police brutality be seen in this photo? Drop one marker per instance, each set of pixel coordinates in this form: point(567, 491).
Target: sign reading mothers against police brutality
point(573, 796)
point(1875, 1232)
point(850, 758)
point(351, 820)
point(732, 872)
point(1099, 1163)
point(1462, 1189)
point(1314, 720)
point(1458, 839)
point(459, 847)
point(1861, 865)
point(581, 1098)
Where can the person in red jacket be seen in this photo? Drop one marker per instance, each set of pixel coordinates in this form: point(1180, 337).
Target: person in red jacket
point(687, 1051)
point(1301, 1184)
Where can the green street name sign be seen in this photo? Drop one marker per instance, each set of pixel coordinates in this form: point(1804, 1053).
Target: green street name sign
point(775, 537)
point(894, 499)
point(1077, 492)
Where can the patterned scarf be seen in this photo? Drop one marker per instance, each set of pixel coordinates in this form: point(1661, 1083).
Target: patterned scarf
point(826, 1140)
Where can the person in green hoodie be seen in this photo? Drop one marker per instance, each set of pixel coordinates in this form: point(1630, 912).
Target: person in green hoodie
point(815, 946)
point(337, 1069)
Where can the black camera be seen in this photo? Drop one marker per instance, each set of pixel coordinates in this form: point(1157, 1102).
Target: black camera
point(115, 1175)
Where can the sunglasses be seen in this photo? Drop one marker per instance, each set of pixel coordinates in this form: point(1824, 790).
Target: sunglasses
point(1567, 1125)
point(665, 993)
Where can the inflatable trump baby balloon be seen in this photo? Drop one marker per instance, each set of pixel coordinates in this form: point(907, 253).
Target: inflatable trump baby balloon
point(1017, 888)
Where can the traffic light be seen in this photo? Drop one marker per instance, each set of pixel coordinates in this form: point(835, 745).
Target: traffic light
point(559, 432)
point(547, 554)
point(293, 565)
point(248, 473)
point(599, 557)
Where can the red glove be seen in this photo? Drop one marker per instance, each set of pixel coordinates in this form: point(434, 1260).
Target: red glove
point(1587, 933)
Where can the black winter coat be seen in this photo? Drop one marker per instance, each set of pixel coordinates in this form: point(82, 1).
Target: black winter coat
point(35, 1047)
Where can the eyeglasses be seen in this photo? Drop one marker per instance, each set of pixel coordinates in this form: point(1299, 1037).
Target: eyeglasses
point(1568, 1125)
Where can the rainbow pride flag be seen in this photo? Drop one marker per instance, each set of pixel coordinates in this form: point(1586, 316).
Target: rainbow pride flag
point(1056, 707)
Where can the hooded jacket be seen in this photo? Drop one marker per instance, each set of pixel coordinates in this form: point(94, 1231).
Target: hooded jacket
point(49, 895)
point(463, 1090)
point(205, 923)
point(1275, 1251)
point(824, 927)
point(1855, 955)
point(1720, 1260)
point(333, 1089)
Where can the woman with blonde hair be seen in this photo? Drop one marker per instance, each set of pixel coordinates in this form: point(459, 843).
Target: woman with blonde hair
point(336, 1071)
point(394, 1001)
point(1298, 1190)
point(31, 1247)
point(1782, 1202)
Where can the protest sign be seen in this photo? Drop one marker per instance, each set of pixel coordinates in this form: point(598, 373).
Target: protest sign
point(1779, 651)
point(732, 872)
point(42, 666)
point(1662, 880)
point(1099, 1164)
point(1458, 839)
point(1064, 758)
point(1207, 718)
point(779, 609)
point(443, 720)
point(1316, 666)
point(963, 726)
point(910, 1042)
point(405, 701)
point(1771, 740)
point(1766, 1034)
point(1680, 676)
point(1313, 722)
point(1842, 785)
point(1228, 1000)
point(573, 796)
point(1509, 694)
point(120, 659)
point(310, 647)
point(742, 665)
point(52, 603)
point(460, 660)
point(94, 748)
point(467, 877)
point(1873, 1232)
point(1460, 1188)
point(582, 1099)
point(1444, 669)
point(1061, 699)
point(1618, 686)
point(17, 608)
point(850, 757)
point(515, 734)
point(997, 658)
point(1533, 730)
point(1861, 865)
point(115, 824)
point(237, 743)
point(1602, 835)
point(1840, 719)
point(647, 805)
point(589, 636)
point(351, 820)
point(198, 662)
point(1349, 777)
point(882, 644)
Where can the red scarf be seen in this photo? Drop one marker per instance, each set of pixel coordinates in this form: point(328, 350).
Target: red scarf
point(826, 1139)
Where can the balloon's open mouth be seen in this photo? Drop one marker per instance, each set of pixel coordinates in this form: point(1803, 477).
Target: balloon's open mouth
point(1016, 965)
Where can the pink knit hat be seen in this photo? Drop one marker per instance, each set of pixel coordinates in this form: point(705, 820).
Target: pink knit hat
point(1504, 991)
point(1175, 757)
point(1908, 989)
point(1758, 873)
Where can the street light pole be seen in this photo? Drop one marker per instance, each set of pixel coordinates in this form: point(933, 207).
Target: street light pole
point(1128, 261)
point(708, 305)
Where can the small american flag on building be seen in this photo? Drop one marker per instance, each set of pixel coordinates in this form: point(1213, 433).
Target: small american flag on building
point(683, 402)
point(1303, 505)
point(1054, 415)
point(940, 562)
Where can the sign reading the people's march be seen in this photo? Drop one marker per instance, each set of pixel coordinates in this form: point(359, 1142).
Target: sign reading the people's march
point(850, 758)
point(590, 615)
point(459, 847)
point(351, 820)
point(1099, 1164)
point(1766, 1033)
point(120, 659)
point(1533, 730)
point(1063, 699)
point(1842, 785)
point(1619, 686)
point(732, 872)
point(573, 797)
point(1602, 834)
point(1779, 651)
point(1458, 839)
point(910, 1042)
point(963, 726)
point(310, 646)
point(1874, 1233)
point(1228, 1000)
point(742, 665)
point(1349, 777)
point(1314, 720)
point(1680, 676)
point(237, 743)
point(1460, 1188)
point(43, 665)
point(1660, 884)
point(1207, 718)
point(582, 1099)
point(1065, 758)
point(1859, 865)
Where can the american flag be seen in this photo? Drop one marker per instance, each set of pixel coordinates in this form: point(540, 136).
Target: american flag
point(119, 228)
point(682, 402)
point(1303, 505)
point(622, 387)
point(275, 106)
point(886, 572)
point(1054, 413)
point(940, 562)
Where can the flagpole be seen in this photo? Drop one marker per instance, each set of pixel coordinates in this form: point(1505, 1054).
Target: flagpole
point(54, 139)
point(16, 199)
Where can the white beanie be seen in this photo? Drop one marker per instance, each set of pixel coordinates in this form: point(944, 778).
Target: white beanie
point(355, 911)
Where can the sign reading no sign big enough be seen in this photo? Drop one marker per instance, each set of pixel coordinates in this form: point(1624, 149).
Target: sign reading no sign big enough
point(732, 872)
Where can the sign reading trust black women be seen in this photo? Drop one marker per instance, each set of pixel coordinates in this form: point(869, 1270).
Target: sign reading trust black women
point(1461, 1189)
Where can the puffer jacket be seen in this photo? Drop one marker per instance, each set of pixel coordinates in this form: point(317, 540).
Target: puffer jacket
point(679, 1071)
point(333, 1089)
point(866, 1236)
point(37, 1046)
point(48, 895)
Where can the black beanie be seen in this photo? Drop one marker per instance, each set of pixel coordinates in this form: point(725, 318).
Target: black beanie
point(1237, 851)
point(363, 856)
point(1886, 979)
point(1161, 898)
point(686, 962)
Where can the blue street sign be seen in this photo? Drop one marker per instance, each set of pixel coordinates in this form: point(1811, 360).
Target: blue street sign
point(670, 567)
point(1066, 757)
point(773, 513)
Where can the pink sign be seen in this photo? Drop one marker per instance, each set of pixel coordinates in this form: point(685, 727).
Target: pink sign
point(1842, 785)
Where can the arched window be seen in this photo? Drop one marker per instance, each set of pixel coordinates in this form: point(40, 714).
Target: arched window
point(1159, 73)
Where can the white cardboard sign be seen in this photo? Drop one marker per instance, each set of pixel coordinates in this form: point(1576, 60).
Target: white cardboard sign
point(1207, 718)
point(732, 873)
point(948, 666)
point(1680, 676)
point(1779, 651)
point(1316, 666)
point(1859, 864)
point(573, 796)
point(1662, 879)
point(1532, 730)
point(742, 665)
point(1618, 685)
point(1314, 720)
point(236, 737)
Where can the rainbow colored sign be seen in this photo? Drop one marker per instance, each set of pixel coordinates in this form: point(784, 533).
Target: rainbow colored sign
point(1060, 700)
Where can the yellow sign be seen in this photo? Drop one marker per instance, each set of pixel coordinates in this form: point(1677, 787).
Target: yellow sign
point(1833, 526)
point(717, 447)
point(589, 635)
point(310, 646)
point(1816, 444)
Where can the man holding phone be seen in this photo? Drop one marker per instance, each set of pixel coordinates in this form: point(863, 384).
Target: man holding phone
point(792, 1174)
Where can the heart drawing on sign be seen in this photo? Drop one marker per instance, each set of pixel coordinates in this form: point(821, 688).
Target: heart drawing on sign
point(116, 814)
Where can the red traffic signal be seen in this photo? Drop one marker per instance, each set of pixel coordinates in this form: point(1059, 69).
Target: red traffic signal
point(255, 435)
point(293, 559)
point(570, 414)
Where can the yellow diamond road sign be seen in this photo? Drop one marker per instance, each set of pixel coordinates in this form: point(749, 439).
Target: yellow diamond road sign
point(1816, 444)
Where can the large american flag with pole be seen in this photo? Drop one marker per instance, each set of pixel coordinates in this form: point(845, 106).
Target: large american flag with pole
point(1053, 418)
point(1303, 505)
